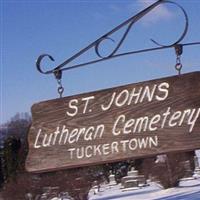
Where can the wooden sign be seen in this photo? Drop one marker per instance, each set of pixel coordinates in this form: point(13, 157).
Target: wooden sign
point(131, 121)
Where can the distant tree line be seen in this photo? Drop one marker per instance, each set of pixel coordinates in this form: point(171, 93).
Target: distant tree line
point(13, 137)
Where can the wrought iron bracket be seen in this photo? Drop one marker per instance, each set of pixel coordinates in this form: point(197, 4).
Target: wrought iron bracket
point(96, 44)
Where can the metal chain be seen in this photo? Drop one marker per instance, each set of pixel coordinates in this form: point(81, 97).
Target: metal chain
point(60, 88)
point(178, 65)
point(58, 76)
point(179, 51)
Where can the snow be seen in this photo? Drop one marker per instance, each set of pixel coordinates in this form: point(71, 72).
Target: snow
point(189, 189)
point(197, 152)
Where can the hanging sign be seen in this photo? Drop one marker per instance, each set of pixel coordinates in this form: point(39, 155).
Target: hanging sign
point(131, 121)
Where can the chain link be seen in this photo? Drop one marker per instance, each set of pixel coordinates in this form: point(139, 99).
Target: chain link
point(178, 65)
point(58, 76)
point(60, 88)
point(179, 51)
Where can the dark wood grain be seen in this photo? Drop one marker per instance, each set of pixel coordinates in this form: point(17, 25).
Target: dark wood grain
point(178, 132)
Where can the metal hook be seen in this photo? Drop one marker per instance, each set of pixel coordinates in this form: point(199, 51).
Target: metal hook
point(58, 74)
point(178, 49)
point(38, 63)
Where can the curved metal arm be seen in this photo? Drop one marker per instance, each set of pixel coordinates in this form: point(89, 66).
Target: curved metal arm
point(184, 31)
point(129, 23)
point(38, 63)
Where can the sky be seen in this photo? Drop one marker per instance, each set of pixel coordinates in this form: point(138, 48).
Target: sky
point(61, 28)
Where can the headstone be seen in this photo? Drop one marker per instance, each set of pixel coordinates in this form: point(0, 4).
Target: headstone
point(133, 172)
point(126, 178)
point(131, 184)
point(28, 196)
point(141, 181)
point(96, 187)
point(196, 162)
point(112, 180)
point(197, 167)
point(187, 168)
point(133, 179)
point(197, 152)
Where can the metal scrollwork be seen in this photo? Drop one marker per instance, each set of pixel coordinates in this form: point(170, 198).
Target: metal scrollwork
point(38, 63)
point(96, 44)
point(184, 31)
point(97, 47)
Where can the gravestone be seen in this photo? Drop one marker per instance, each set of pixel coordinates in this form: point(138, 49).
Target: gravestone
point(133, 179)
point(196, 162)
point(131, 184)
point(112, 180)
point(197, 167)
point(133, 172)
point(187, 169)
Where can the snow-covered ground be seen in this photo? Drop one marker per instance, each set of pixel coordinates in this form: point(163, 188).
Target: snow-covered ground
point(188, 189)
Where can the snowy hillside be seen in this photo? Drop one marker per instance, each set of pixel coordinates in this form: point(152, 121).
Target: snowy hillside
point(189, 189)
